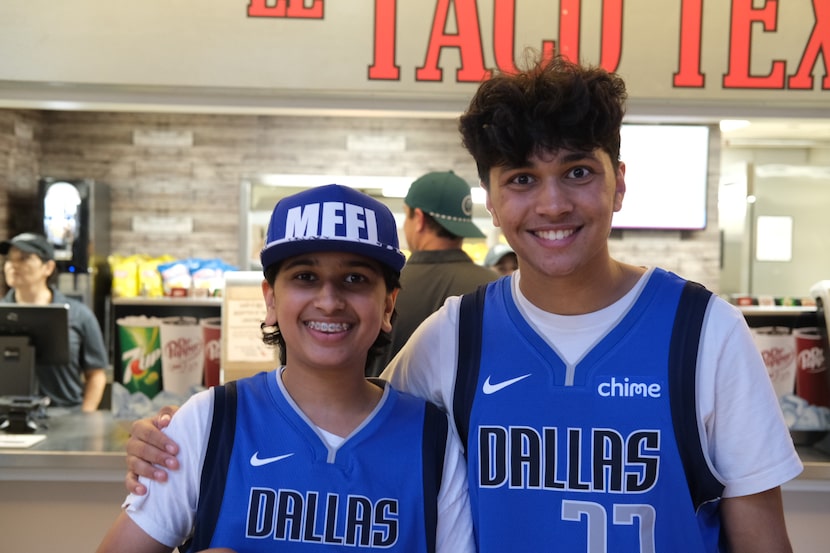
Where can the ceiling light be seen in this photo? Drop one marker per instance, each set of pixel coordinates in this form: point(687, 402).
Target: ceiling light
point(727, 125)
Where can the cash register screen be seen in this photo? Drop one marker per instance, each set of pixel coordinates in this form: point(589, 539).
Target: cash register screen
point(46, 327)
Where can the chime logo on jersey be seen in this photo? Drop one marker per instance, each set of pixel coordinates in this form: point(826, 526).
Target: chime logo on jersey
point(629, 388)
point(291, 515)
point(332, 220)
point(594, 460)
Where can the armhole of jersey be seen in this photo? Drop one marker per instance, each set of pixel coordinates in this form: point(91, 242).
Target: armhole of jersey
point(683, 352)
point(434, 451)
point(469, 358)
point(215, 469)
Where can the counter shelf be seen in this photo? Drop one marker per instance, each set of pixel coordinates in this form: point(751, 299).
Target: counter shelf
point(790, 317)
point(816, 473)
point(79, 447)
point(188, 301)
point(776, 309)
point(199, 308)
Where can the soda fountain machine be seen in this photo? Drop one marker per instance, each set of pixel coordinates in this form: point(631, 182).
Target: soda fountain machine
point(76, 221)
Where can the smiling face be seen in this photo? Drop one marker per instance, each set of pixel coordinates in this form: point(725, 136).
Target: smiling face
point(555, 211)
point(330, 308)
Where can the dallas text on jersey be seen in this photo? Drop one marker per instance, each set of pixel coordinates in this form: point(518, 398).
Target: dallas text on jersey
point(556, 459)
point(290, 515)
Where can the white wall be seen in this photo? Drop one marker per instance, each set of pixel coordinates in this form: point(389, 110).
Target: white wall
point(785, 181)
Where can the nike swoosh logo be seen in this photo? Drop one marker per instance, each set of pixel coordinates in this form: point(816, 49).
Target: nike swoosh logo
point(489, 388)
point(257, 462)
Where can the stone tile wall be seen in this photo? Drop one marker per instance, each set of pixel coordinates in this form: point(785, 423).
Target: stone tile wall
point(20, 155)
point(192, 165)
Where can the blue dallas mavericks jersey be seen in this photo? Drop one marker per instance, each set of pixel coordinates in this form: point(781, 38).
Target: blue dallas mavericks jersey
point(280, 488)
point(586, 460)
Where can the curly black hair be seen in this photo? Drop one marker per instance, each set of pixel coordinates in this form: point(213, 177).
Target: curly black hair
point(554, 104)
point(271, 335)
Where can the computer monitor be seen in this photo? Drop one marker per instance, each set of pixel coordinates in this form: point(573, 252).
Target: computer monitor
point(30, 334)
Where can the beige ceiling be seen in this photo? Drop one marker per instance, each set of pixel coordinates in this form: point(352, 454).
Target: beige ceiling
point(770, 132)
point(781, 132)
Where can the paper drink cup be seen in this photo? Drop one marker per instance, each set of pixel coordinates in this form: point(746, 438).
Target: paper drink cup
point(811, 367)
point(140, 346)
point(212, 339)
point(777, 347)
point(182, 357)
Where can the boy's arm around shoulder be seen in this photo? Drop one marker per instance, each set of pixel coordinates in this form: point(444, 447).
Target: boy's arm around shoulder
point(149, 449)
point(168, 511)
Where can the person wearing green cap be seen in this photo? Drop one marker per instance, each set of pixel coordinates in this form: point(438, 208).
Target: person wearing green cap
point(439, 216)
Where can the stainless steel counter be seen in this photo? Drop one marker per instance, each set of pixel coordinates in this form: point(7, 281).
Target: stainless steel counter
point(816, 473)
point(79, 447)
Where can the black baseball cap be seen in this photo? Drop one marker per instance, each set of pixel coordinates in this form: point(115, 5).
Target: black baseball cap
point(29, 242)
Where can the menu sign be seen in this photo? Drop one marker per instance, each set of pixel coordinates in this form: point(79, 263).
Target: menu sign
point(430, 52)
point(243, 309)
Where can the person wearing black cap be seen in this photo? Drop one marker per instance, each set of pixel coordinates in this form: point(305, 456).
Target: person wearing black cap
point(28, 265)
point(439, 216)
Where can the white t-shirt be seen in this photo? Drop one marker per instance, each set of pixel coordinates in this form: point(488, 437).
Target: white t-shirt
point(167, 512)
point(743, 432)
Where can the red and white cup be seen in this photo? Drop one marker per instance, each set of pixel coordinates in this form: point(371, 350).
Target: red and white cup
point(212, 338)
point(811, 379)
point(777, 347)
point(182, 357)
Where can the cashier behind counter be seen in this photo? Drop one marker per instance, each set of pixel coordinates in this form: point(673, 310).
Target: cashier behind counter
point(28, 267)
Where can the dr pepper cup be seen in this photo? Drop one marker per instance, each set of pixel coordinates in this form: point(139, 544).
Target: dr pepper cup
point(811, 378)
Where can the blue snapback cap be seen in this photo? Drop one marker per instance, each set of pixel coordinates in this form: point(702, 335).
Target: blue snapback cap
point(332, 218)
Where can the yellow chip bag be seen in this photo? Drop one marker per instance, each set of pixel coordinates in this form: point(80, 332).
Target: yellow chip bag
point(124, 276)
point(150, 283)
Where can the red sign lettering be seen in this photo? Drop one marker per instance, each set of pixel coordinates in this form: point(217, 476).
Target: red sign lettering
point(570, 12)
point(504, 35)
point(691, 16)
point(467, 39)
point(611, 38)
point(456, 26)
point(744, 16)
point(294, 9)
point(384, 67)
point(819, 42)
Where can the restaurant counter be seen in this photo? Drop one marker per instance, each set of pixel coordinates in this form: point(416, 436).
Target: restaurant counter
point(63, 493)
point(74, 480)
point(82, 447)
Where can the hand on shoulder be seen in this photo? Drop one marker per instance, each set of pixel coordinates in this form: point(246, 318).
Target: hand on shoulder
point(149, 449)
